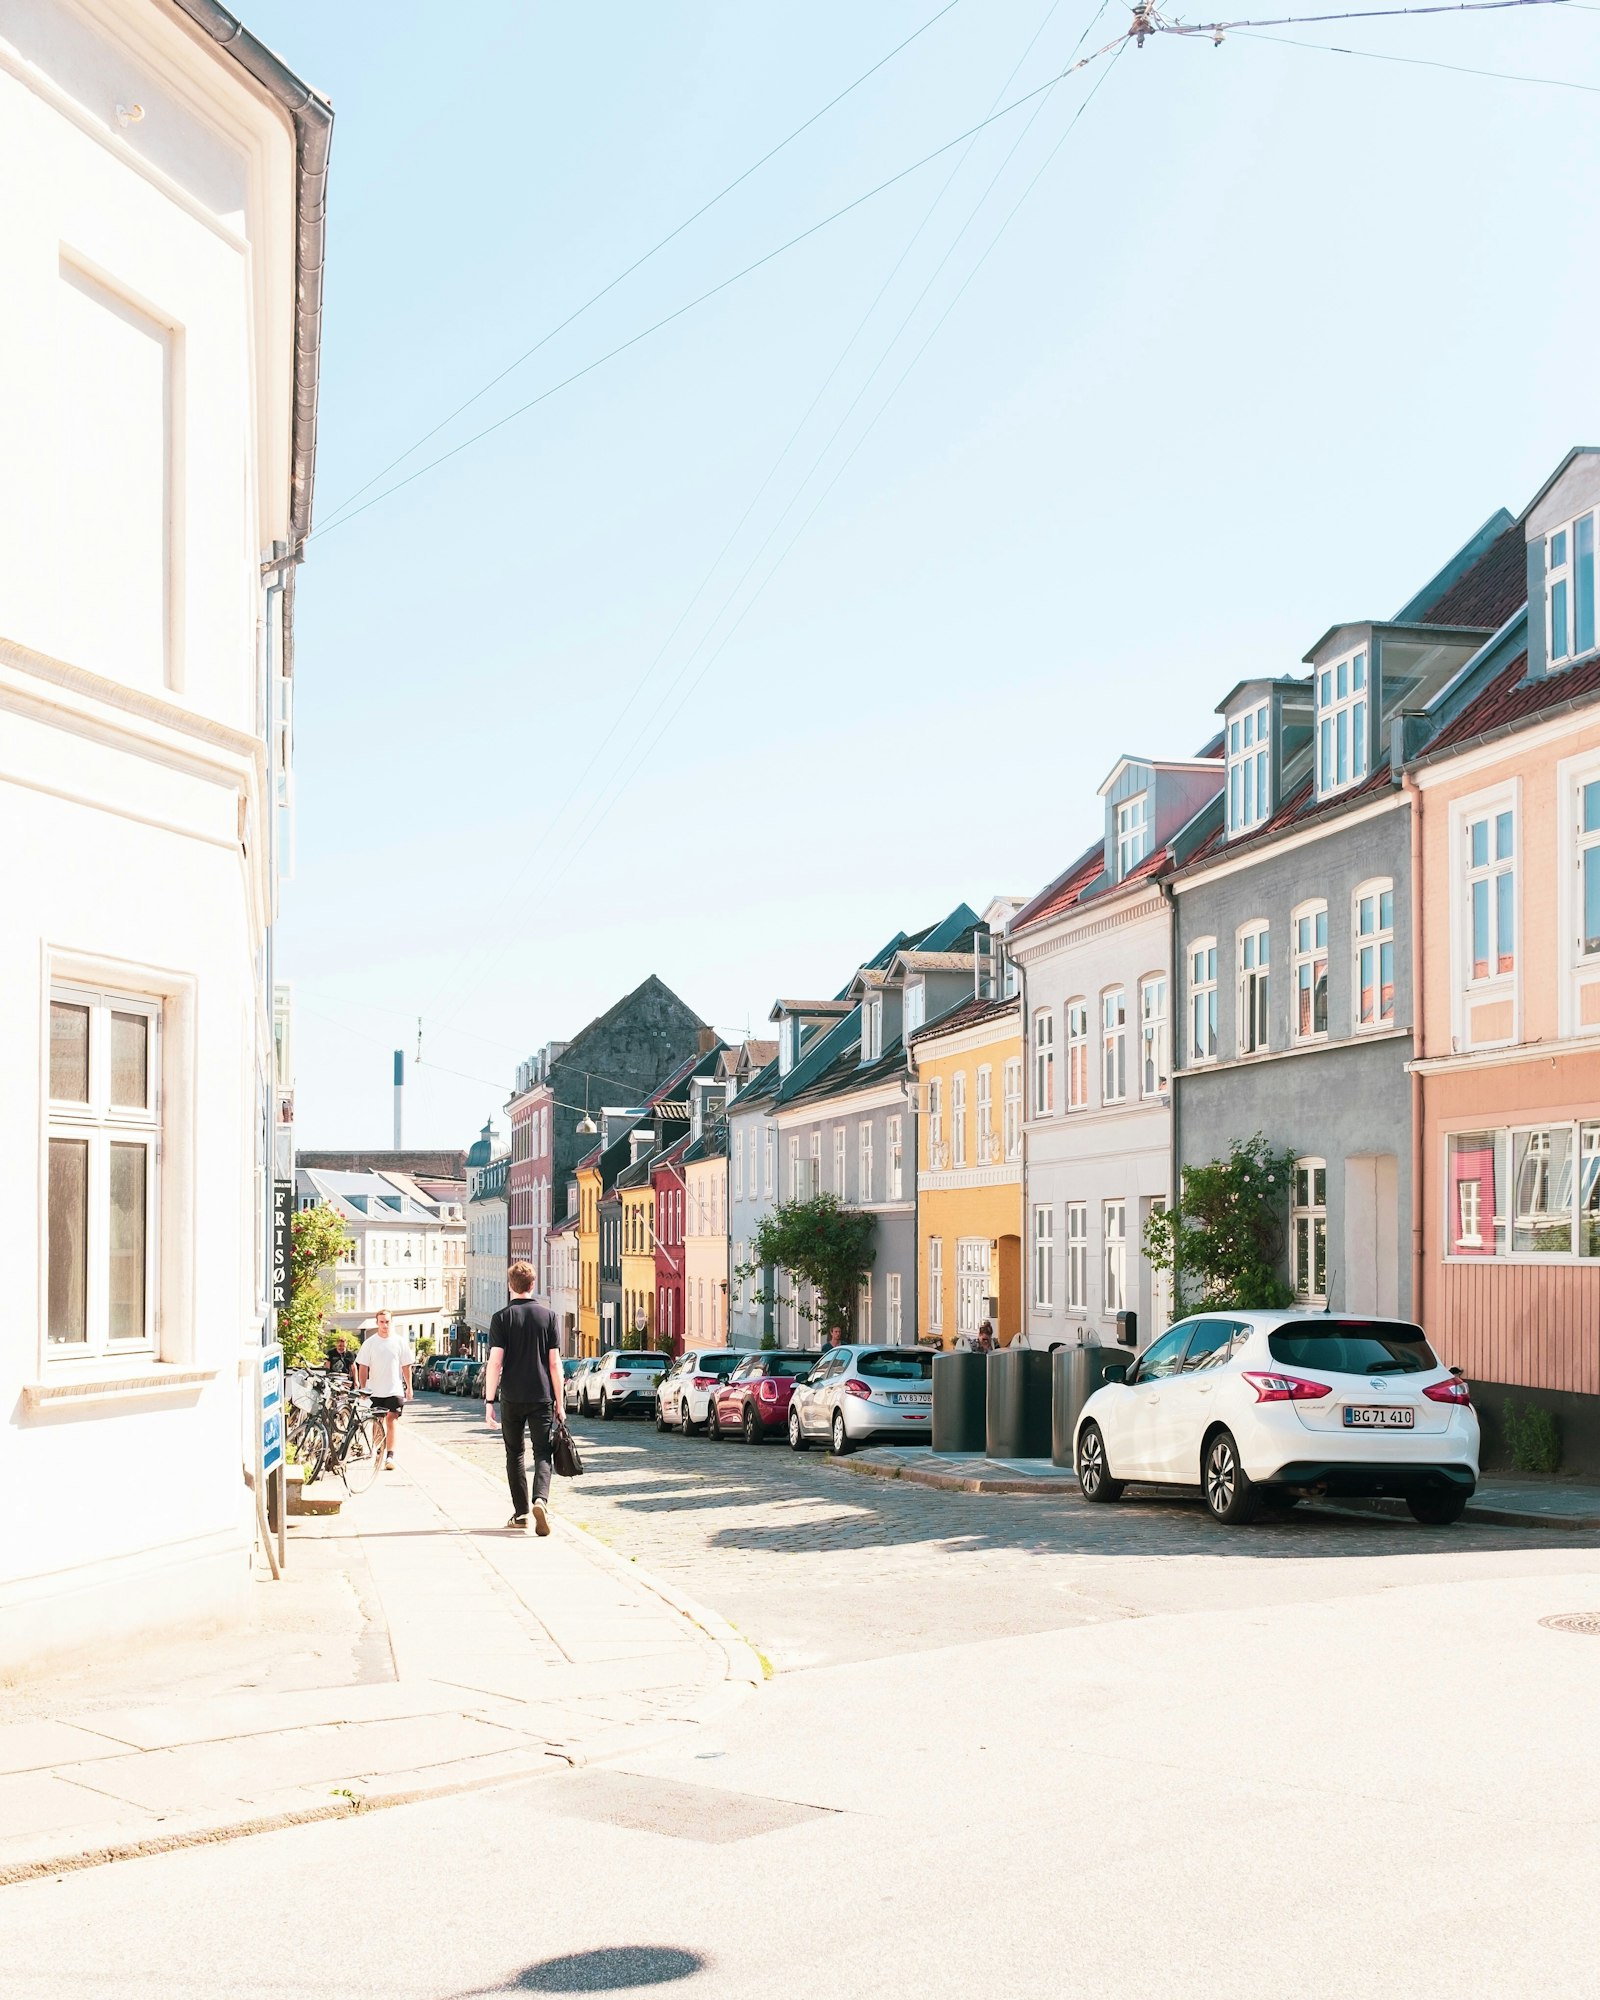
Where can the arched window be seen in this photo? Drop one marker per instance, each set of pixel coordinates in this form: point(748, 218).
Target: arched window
point(1373, 932)
point(1310, 1231)
point(1077, 1055)
point(1255, 950)
point(1309, 971)
point(1203, 1000)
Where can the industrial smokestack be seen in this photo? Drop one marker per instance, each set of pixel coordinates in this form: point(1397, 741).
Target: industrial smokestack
point(399, 1092)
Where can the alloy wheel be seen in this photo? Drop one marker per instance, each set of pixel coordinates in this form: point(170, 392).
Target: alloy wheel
point(841, 1437)
point(1222, 1475)
point(1091, 1463)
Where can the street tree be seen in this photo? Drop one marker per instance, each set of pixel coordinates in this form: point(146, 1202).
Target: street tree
point(318, 1239)
point(820, 1244)
point(1223, 1244)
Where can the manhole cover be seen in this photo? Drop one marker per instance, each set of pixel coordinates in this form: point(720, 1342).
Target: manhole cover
point(1575, 1621)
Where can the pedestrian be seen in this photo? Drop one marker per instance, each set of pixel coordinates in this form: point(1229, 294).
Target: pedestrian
point(524, 1364)
point(383, 1370)
point(986, 1338)
point(835, 1336)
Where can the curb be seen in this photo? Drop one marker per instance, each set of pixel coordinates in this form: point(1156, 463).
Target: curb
point(959, 1482)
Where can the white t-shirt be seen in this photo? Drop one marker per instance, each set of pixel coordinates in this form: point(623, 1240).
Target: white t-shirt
point(384, 1355)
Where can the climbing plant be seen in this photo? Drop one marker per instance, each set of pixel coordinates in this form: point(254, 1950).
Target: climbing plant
point(318, 1239)
point(1223, 1244)
point(822, 1245)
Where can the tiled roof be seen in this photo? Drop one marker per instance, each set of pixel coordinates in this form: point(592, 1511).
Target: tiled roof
point(1301, 808)
point(937, 961)
point(1510, 698)
point(1063, 892)
point(971, 1013)
point(1490, 591)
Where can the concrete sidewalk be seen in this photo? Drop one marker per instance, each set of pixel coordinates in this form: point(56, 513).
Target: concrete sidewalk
point(1499, 1502)
point(416, 1647)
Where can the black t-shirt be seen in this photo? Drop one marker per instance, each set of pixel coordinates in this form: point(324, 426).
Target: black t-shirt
point(526, 1334)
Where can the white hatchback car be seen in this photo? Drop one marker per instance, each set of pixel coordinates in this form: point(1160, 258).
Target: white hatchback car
point(1263, 1408)
point(683, 1395)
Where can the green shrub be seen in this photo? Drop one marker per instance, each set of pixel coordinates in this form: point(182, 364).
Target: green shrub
point(1533, 1438)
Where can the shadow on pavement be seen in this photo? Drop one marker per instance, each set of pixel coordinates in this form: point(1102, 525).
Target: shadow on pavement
point(623, 1968)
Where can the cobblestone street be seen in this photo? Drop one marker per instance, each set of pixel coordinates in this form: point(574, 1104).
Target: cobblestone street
point(817, 1566)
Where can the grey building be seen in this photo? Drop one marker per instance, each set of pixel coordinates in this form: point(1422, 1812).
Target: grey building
point(1294, 953)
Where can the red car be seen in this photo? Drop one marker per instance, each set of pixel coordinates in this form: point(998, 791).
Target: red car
point(754, 1401)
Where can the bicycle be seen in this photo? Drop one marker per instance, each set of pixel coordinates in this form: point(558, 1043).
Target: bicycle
point(335, 1429)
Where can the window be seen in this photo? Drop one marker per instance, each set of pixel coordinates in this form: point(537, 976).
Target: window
point(1013, 1110)
point(1044, 1256)
point(1115, 1270)
point(863, 1326)
point(1342, 723)
point(1588, 833)
point(897, 1162)
point(1310, 971)
point(771, 1148)
point(101, 1208)
point(972, 1283)
point(1530, 1191)
point(1309, 1237)
point(1203, 1001)
point(935, 1284)
point(1113, 1045)
point(958, 1118)
point(935, 1122)
point(738, 1168)
point(986, 1149)
point(1491, 865)
point(1374, 928)
point(872, 1030)
point(1133, 833)
point(814, 1179)
point(1153, 1072)
point(1044, 1064)
point(1248, 769)
point(1255, 948)
point(1077, 1055)
point(914, 1007)
point(864, 1162)
point(891, 1307)
point(1569, 590)
point(794, 1166)
point(1162, 1357)
point(838, 1161)
point(1077, 1256)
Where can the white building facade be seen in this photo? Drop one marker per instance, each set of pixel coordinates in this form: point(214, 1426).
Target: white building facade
point(161, 270)
point(488, 1242)
point(399, 1260)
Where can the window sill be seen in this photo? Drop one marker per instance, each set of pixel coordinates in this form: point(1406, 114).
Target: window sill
point(112, 1382)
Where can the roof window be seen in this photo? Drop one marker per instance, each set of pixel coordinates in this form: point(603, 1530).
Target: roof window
point(1569, 590)
point(1249, 768)
point(1342, 723)
point(1133, 833)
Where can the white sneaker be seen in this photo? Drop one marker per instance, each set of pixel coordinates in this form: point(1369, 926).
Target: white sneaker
point(541, 1518)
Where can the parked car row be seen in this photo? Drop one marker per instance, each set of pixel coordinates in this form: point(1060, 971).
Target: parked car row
point(450, 1375)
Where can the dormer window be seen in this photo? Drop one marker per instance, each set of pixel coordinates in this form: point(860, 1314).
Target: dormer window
point(872, 1031)
point(916, 1006)
point(1569, 590)
point(1249, 769)
point(1133, 833)
point(1342, 723)
point(788, 1044)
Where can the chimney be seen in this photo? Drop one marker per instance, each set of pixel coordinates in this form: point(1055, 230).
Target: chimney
point(705, 1041)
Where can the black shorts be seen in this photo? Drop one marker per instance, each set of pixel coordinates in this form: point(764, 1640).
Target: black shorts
point(388, 1406)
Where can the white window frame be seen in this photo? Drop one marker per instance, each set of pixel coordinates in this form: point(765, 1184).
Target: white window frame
point(894, 1136)
point(1308, 1225)
point(1373, 942)
point(1201, 960)
point(770, 1162)
point(1496, 1233)
point(935, 1284)
point(871, 1029)
point(1561, 578)
point(1114, 1257)
point(1573, 845)
point(1043, 1245)
point(864, 1162)
point(863, 1328)
point(99, 1125)
point(914, 1008)
point(841, 1154)
point(738, 1169)
point(1132, 824)
point(1155, 1073)
point(891, 1308)
point(971, 1303)
point(1340, 700)
point(1077, 1296)
point(958, 1118)
point(985, 1140)
point(1305, 953)
point(1012, 1134)
point(936, 1159)
point(1253, 1015)
point(794, 1166)
point(1249, 760)
point(1044, 1063)
point(1114, 1045)
point(1076, 1016)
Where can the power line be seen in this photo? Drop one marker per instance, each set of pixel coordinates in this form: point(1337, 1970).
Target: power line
point(1157, 24)
point(723, 285)
point(638, 263)
point(1424, 62)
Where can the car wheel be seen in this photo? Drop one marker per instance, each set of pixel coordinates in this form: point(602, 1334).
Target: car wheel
point(661, 1417)
point(713, 1427)
point(841, 1437)
point(605, 1407)
point(1094, 1475)
point(797, 1437)
point(1438, 1510)
point(752, 1425)
point(1231, 1494)
point(685, 1421)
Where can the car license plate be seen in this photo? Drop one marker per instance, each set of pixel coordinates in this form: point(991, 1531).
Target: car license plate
point(1379, 1417)
point(914, 1396)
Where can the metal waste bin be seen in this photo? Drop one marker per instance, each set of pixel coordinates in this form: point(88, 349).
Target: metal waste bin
point(958, 1400)
point(1017, 1419)
point(1076, 1374)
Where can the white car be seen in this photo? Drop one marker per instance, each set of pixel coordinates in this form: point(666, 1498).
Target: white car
point(856, 1393)
point(683, 1395)
point(1263, 1408)
point(622, 1380)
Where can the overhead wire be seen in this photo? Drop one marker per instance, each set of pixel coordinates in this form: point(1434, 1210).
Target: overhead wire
point(1422, 62)
point(1159, 24)
point(639, 262)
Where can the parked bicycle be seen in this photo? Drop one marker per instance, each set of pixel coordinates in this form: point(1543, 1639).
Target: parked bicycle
point(334, 1429)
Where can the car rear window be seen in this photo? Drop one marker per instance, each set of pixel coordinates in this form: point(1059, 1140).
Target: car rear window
point(638, 1361)
point(898, 1363)
point(719, 1364)
point(1354, 1347)
point(797, 1365)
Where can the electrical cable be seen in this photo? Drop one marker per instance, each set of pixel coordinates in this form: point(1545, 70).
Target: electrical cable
point(1424, 62)
point(723, 285)
point(638, 263)
point(1159, 26)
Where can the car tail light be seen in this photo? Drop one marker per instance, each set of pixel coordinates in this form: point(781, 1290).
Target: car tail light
point(767, 1389)
point(705, 1381)
point(1451, 1390)
point(855, 1388)
point(1286, 1388)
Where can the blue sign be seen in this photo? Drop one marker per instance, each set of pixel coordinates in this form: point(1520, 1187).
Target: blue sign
point(272, 1409)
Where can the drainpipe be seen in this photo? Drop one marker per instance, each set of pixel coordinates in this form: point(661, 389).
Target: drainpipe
point(1025, 1274)
point(1418, 1145)
point(1174, 1169)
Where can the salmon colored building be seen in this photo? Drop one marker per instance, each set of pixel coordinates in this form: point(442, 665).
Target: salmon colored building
point(1507, 1074)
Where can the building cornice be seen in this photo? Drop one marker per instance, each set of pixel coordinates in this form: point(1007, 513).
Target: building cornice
point(950, 1180)
point(881, 1096)
point(1204, 872)
point(1232, 1065)
point(1556, 1050)
point(1059, 934)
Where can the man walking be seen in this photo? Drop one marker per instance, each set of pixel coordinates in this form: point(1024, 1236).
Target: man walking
point(524, 1377)
point(383, 1369)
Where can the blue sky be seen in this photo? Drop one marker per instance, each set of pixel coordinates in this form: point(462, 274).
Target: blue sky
point(1273, 332)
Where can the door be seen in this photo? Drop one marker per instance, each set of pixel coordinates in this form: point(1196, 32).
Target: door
point(972, 1284)
point(1189, 1398)
point(1139, 1448)
point(811, 1395)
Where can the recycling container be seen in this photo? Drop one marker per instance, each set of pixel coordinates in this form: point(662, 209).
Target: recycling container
point(959, 1380)
point(1075, 1375)
point(1017, 1417)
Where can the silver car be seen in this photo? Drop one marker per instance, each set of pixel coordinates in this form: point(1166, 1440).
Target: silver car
point(856, 1393)
point(574, 1376)
point(683, 1395)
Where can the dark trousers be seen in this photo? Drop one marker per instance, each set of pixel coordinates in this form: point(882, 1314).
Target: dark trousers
point(536, 1419)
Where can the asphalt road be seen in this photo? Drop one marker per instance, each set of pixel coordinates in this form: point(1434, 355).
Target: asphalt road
point(1009, 1747)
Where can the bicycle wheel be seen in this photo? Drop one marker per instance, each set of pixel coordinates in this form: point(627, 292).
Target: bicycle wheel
point(363, 1453)
point(312, 1449)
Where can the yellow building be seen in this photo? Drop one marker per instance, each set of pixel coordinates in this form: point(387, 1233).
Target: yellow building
point(589, 1253)
point(969, 1172)
point(638, 1253)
